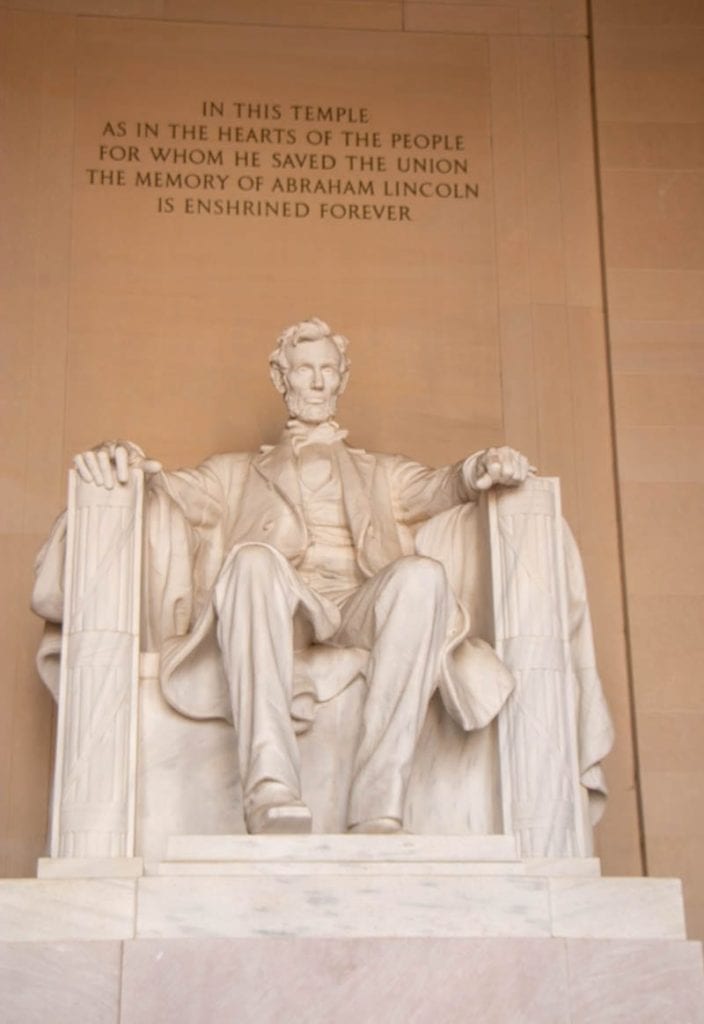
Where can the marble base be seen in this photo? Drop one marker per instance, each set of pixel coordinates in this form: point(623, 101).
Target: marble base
point(374, 980)
point(404, 904)
point(360, 855)
point(339, 886)
point(346, 929)
point(90, 867)
point(397, 848)
point(57, 909)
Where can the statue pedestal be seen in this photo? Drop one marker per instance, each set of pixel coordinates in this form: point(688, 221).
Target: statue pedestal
point(347, 928)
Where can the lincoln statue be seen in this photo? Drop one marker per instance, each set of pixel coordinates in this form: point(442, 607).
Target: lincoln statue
point(251, 557)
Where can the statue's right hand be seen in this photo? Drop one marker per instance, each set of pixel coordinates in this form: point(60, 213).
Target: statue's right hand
point(109, 463)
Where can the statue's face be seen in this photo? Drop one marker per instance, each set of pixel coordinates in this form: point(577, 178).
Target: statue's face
point(313, 380)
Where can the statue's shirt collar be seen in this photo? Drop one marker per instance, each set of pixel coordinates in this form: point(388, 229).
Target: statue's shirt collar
point(298, 434)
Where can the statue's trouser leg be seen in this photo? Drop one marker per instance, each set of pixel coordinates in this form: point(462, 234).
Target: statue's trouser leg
point(255, 603)
point(401, 615)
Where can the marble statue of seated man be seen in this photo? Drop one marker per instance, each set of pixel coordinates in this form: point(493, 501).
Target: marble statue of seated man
point(310, 533)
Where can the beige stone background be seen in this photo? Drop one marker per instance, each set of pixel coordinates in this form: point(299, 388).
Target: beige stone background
point(483, 324)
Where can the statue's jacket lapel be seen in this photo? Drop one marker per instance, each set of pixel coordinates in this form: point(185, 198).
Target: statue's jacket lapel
point(270, 506)
point(367, 500)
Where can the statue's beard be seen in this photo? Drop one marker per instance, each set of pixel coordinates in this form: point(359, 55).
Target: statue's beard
point(310, 412)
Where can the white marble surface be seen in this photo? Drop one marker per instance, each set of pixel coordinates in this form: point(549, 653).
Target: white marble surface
point(58, 909)
point(359, 855)
point(636, 982)
point(341, 869)
point(90, 867)
point(540, 779)
point(332, 848)
point(266, 980)
point(617, 907)
point(406, 904)
point(186, 774)
point(311, 905)
point(346, 898)
point(60, 982)
point(346, 981)
point(93, 812)
point(556, 866)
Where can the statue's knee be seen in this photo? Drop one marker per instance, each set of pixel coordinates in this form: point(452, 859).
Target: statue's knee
point(251, 565)
point(253, 557)
point(420, 579)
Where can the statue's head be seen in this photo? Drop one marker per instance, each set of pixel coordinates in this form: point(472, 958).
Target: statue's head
point(309, 366)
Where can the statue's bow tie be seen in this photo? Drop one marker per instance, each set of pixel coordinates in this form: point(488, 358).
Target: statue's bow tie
point(300, 434)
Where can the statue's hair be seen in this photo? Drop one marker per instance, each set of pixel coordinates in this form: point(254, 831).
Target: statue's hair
point(312, 329)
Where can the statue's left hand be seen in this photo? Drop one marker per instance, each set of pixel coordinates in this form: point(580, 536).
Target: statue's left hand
point(504, 466)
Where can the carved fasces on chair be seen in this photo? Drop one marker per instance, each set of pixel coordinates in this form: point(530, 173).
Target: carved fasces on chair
point(543, 802)
point(93, 805)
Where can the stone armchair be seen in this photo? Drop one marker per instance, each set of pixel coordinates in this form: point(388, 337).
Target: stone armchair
point(130, 771)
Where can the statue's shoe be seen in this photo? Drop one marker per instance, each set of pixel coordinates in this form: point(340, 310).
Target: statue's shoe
point(377, 826)
point(291, 818)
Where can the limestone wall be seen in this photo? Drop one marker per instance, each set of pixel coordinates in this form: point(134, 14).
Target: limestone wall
point(650, 109)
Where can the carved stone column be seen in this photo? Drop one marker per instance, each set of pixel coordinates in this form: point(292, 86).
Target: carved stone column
point(94, 785)
point(543, 801)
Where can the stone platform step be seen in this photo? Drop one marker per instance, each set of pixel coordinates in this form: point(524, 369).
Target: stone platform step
point(348, 848)
point(328, 906)
point(358, 855)
point(353, 981)
point(340, 887)
point(405, 903)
